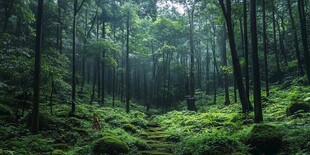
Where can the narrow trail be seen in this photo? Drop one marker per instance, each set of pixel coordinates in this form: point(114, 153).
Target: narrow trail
point(156, 138)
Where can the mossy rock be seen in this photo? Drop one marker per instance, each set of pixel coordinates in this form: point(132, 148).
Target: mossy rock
point(45, 120)
point(265, 139)
point(298, 106)
point(57, 152)
point(110, 145)
point(6, 152)
point(6, 113)
point(130, 128)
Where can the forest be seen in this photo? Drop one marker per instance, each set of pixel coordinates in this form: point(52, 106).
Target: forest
point(154, 77)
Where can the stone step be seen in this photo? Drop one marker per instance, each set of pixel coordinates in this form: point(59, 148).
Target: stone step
point(157, 137)
point(154, 129)
point(154, 152)
point(152, 124)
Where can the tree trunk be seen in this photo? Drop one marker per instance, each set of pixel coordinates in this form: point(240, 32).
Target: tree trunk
point(7, 13)
point(191, 104)
point(235, 59)
point(275, 40)
point(127, 84)
point(296, 43)
point(265, 48)
point(257, 89)
point(103, 65)
point(37, 70)
point(246, 49)
point(227, 101)
point(94, 82)
point(303, 25)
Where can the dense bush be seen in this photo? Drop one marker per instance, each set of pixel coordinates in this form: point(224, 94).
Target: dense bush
point(215, 144)
point(6, 113)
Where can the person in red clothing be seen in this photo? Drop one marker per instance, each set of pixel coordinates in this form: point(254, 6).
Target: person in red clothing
point(96, 124)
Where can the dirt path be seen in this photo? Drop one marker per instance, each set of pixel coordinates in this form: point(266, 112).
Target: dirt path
point(156, 138)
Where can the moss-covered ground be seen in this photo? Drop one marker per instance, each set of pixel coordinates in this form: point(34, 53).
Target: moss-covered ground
point(214, 129)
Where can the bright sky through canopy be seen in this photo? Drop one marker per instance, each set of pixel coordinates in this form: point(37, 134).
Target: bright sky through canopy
point(170, 5)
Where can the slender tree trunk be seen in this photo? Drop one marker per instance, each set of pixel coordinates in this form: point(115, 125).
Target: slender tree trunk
point(51, 95)
point(235, 91)
point(265, 48)
point(59, 29)
point(7, 13)
point(207, 69)
point(191, 102)
point(246, 49)
point(214, 66)
point(235, 59)
point(127, 79)
point(227, 101)
point(192, 57)
point(103, 65)
point(75, 11)
point(281, 40)
point(94, 82)
point(257, 90)
point(37, 70)
point(275, 40)
point(296, 43)
point(303, 25)
point(73, 97)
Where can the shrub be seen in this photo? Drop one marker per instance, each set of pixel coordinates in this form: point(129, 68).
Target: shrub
point(265, 139)
point(73, 122)
point(110, 145)
point(130, 128)
point(214, 143)
point(5, 152)
point(45, 120)
point(296, 140)
point(6, 113)
point(57, 152)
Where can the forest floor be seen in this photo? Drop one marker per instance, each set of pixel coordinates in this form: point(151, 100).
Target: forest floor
point(214, 129)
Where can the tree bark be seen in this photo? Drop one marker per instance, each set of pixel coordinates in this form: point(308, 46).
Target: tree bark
point(265, 48)
point(246, 49)
point(296, 43)
point(127, 79)
point(73, 97)
point(227, 101)
point(303, 25)
point(275, 40)
point(37, 70)
point(235, 59)
point(257, 89)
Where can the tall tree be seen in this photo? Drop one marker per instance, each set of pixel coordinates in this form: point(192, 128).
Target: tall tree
point(224, 57)
point(76, 9)
point(8, 5)
point(296, 43)
point(257, 89)
point(235, 59)
point(246, 49)
point(37, 70)
point(265, 48)
point(304, 37)
point(191, 102)
point(275, 36)
point(127, 79)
